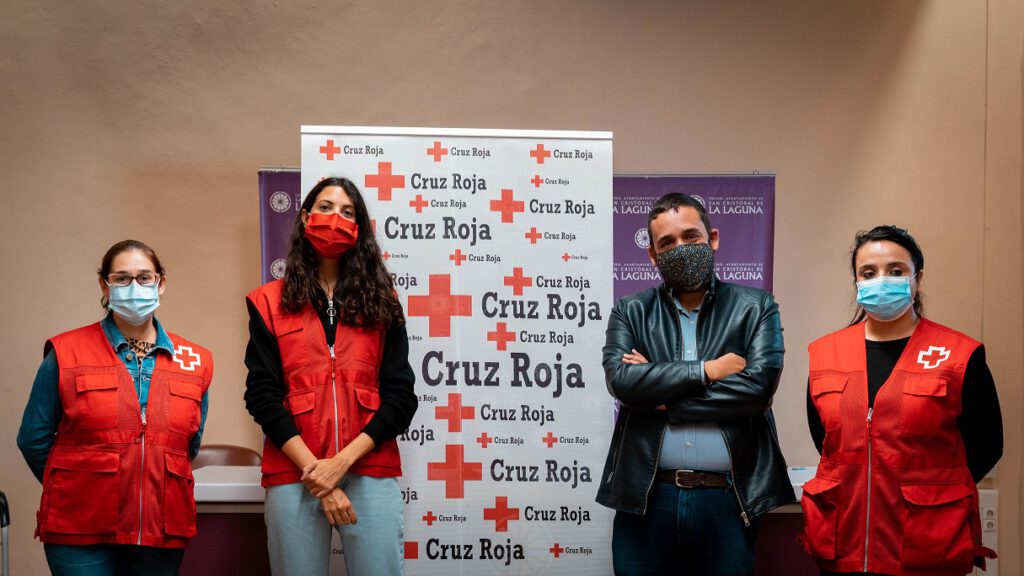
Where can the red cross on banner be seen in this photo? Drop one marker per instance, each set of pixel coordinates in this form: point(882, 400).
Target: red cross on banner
point(329, 150)
point(440, 305)
point(540, 153)
point(507, 205)
point(484, 440)
point(533, 235)
point(437, 151)
point(418, 203)
point(386, 255)
point(454, 471)
point(550, 439)
point(501, 514)
point(384, 181)
point(556, 550)
point(458, 257)
point(454, 412)
point(566, 257)
point(429, 518)
point(537, 181)
point(517, 281)
point(501, 335)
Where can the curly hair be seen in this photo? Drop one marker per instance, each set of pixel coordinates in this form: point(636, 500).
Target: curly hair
point(365, 295)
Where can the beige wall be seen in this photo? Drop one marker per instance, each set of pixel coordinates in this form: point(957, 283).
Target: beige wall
point(146, 119)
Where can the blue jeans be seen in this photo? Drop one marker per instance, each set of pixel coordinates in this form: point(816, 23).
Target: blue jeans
point(112, 560)
point(685, 531)
point(299, 536)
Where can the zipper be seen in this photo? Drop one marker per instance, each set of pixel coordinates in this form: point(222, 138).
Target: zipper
point(334, 394)
point(618, 446)
point(867, 518)
point(732, 473)
point(142, 442)
point(661, 441)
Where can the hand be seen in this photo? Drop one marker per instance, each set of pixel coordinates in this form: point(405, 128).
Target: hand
point(724, 366)
point(322, 476)
point(633, 357)
point(338, 508)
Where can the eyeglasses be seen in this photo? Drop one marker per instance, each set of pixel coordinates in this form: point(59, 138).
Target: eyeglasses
point(123, 279)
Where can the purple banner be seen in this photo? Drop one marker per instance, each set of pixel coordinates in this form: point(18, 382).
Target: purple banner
point(280, 199)
point(741, 207)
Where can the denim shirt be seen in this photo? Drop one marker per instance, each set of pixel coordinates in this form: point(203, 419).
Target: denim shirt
point(693, 446)
point(43, 411)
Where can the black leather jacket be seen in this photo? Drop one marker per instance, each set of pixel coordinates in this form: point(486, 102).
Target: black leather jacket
point(732, 318)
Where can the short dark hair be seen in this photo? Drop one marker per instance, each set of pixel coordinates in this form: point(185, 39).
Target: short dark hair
point(672, 201)
point(896, 235)
point(126, 246)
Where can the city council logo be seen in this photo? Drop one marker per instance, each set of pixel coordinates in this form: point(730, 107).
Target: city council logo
point(642, 239)
point(280, 201)
point(277, 268)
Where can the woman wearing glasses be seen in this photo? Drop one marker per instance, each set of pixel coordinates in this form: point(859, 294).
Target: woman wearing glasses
point(905, 414)
point(331, 386)
point(114, 418)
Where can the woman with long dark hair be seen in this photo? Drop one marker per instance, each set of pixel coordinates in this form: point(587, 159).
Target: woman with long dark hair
point(905, 415)
point(330, 384)
point(113, 422)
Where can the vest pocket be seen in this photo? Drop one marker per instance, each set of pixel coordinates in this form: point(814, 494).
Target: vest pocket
point(95, 401)
point(924, 404)
point(819, 503)
point(185, 406)
point(82, 492)
point(369, 402)
point(179, 501)
point(301, 405)
point(937, 531)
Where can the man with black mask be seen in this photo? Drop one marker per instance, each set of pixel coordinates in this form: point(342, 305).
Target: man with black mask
point(694, 459)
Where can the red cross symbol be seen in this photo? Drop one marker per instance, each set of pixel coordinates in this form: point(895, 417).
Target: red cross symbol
point(458, 257)
point(454, 412)
point(501, 513)
point(556, 550)
point(484, 440)
point(419, 203)
point(330, 150)
point(540, 153)
point(440, 305)
point(508, 206)
point(384, 181)
point(517, 281)
point(566, 257)
point(386, 255)
point(533, 235)
point(454, 471)
point(537, 181)
point(550, 440)
point(412, 550)
point(429, 518)
point(932, 357)
point(186, 358)
point(437, 151)
point(501, 336)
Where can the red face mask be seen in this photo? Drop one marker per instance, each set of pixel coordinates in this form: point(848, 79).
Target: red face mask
point(330, 234)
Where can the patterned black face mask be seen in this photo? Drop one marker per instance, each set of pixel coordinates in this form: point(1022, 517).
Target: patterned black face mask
point(687, 267)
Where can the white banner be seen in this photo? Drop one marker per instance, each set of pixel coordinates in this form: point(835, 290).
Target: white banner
point(500, 242)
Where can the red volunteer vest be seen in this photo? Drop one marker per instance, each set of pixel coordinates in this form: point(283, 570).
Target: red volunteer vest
point(893, 493)
point(111, 477)
point(330, 395)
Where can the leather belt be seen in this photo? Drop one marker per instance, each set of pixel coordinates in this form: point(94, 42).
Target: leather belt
point(693, 478)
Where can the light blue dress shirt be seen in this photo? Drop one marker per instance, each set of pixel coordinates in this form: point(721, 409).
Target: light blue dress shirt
point(693, 446)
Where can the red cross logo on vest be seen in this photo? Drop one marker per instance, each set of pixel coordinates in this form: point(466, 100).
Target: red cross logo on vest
point(454, 471)
point(186, 358)
point(501, 513)
point(440, 305)
point(932, 357)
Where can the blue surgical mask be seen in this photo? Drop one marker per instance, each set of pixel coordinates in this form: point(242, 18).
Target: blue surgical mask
point(133, 303)
point(885, 298)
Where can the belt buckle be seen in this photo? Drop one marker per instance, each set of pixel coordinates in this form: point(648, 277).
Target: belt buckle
point(679, 483)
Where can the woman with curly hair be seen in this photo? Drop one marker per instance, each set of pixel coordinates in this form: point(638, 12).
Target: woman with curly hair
point(330, 384)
